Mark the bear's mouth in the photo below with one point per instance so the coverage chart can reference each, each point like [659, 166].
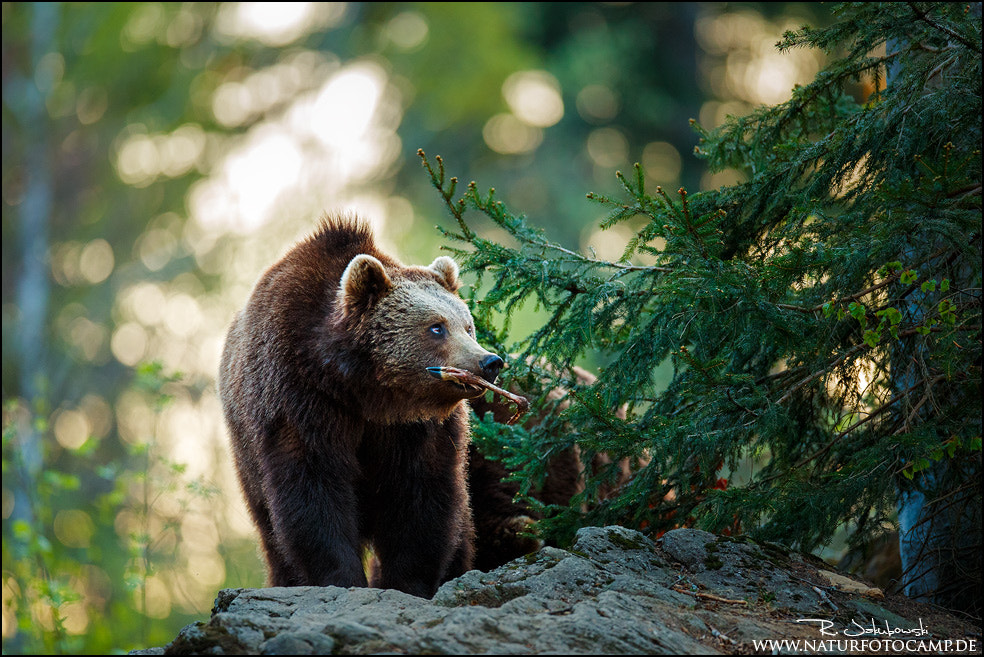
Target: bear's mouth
[468, 380]
[459, 378]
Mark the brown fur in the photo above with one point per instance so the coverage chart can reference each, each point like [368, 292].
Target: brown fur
[342, 440]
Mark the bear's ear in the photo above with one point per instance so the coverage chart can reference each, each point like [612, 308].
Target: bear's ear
[364, 281]
[447, 271]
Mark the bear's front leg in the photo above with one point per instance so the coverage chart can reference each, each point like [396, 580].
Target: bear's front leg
[421, 525]
[425, 538]
[314, 515]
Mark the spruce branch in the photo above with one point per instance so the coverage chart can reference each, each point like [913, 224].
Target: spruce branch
[924, 17]
[724, 351]
[839, 360]
[457, 208]
[870, 416]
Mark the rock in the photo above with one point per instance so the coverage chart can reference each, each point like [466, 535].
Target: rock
[614, 592]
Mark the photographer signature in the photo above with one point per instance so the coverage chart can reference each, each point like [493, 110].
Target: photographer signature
[857, 629]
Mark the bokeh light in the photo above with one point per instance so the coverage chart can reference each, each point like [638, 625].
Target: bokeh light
[71, 428]
[277, 23]
[96, 261]
[534, 97]
[407, 30]
[662, 162]
[597, 103]
[508, 135]
[74, 528]
[742, 64]
[608, 147]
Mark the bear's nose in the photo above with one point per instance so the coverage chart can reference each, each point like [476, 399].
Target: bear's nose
[491, 365]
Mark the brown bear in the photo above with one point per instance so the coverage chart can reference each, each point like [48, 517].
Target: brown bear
[342, 438]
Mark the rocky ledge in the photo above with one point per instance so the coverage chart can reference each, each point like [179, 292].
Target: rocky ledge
[614, 592]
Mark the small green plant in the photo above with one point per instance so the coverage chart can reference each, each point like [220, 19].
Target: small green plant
[62, 541]
[35, 579]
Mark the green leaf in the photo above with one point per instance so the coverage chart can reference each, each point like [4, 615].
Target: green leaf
[22, 530]
[61, 480]
[891, 314]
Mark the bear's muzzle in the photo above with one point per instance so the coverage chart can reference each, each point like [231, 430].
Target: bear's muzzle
[491, 365]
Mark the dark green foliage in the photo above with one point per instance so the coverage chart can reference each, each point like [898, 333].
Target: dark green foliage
[785, 303]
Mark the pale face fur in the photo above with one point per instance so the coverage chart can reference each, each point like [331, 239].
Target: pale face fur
[419, 325]
[414, 322]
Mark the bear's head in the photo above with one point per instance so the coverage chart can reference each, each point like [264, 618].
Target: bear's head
[403, 320]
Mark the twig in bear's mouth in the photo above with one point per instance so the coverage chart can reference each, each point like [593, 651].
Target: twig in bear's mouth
[464, 377]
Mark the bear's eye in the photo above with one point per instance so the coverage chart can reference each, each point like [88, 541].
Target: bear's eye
[437, 330]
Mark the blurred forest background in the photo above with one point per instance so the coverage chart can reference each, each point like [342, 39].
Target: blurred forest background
[158, 157]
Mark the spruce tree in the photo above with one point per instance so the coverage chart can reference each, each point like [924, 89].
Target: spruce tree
[822, 317]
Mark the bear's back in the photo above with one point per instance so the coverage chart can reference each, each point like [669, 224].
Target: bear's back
[274, 352]
[310, 272]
